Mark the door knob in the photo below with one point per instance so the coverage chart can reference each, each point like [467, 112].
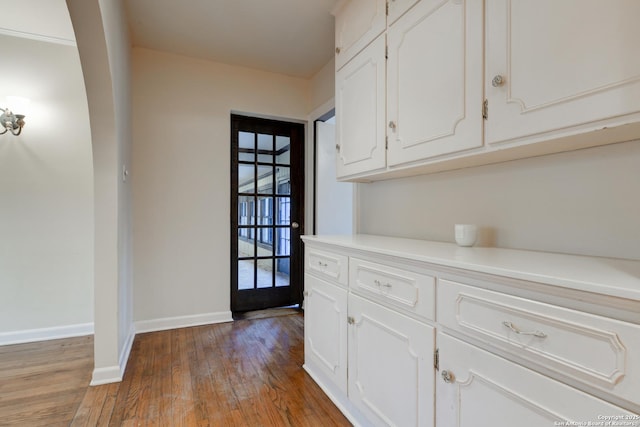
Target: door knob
[295, 225]
[448, 377]
[497, 81]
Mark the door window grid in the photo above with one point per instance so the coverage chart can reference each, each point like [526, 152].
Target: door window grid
[272, 171]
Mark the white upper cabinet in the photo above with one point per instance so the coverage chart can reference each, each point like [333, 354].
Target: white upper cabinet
[556, 68]
[360, 130]
[397, 8]
[472, 82]
[434, 80]
[358, 22]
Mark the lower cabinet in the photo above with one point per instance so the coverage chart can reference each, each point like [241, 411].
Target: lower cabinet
[391, 370]
[325, 331]
[479, 389]
[397, 342]
[370, 359]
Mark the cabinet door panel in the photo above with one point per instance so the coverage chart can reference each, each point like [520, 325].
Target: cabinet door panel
[434, 80]
[391, 370]
[360, 112]
[563, 63]
[397, 8]
[325, 324]
[556, 340]
[358, 22]
[488, 391]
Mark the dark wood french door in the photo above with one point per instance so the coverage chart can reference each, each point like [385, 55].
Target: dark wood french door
[267, 213]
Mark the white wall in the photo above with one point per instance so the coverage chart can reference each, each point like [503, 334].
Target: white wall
[180, 175]
[322, 102]
[334, 200]
[583, 202]
[102, 37]
[322, 85]
[46, 196]
[118, 41]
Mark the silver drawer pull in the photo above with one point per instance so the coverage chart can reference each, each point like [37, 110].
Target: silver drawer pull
[323, 264]
[379, 284]
[517, 330]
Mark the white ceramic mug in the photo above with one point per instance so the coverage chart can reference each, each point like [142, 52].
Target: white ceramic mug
[466, 234]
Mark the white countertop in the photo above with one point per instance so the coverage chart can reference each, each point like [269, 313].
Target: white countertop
[607, 276]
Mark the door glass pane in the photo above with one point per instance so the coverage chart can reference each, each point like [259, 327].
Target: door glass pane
[282, 271]
[265, 179]
[246, 146]
[283, 241]
[246, 247]
[283, 211]
[265, 211]
[265, 241]
[246, 157]
[246, 140]
[265, 158]
[245, 274]
[265, 148]
[246, 179]
[246, 210]
[265, 273]
[283, 180]
[283, 150]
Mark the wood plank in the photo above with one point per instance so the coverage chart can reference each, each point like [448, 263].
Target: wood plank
[247, 372]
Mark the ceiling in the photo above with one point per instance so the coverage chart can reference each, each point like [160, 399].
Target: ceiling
[46, 20]
[292, 37]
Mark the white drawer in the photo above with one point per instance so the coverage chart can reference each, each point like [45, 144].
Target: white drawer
[597, 351]
[327, 265]
[403, 289]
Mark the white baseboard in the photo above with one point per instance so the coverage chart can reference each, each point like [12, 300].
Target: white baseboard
[126, 350]
[45, 334]
[163, 324]
[114, 374]
[110, 374]
[340, 399]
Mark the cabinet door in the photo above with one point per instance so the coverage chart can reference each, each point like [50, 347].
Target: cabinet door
[397, 8]
[358, 22]
[325, 330]
[391, 371]
[360, 129]
[563, 64]
[484, 390]
[434, 80]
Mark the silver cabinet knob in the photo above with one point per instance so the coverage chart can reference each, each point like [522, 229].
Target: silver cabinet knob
[497, 81]
[448, 377]
[338, 50]
[295, 225]
[392, 125]
[338, 147]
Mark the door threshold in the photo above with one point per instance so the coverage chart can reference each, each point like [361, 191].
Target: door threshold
[268, 312]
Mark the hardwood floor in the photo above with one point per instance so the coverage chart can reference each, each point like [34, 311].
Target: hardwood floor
[42, 384]
[245, 373]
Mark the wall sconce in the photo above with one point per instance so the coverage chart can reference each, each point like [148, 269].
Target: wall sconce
[10, 121]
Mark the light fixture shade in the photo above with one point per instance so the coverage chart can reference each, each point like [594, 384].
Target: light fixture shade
[12, 117]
